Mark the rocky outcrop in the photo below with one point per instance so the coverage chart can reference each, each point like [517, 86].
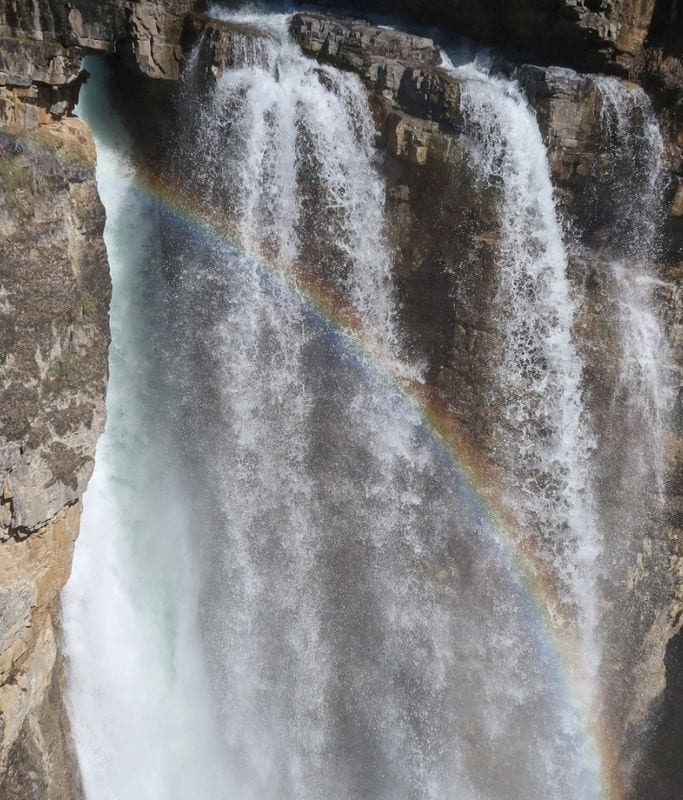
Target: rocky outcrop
[578, 33]
[42, 45]
[54, 290]
[402, 73]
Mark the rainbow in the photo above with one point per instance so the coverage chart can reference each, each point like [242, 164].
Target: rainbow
[472, 471]
[477, 477]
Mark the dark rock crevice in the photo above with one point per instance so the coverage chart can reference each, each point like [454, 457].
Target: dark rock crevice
[660, 770]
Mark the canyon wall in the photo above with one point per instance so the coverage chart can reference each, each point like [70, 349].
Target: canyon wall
[584, 34]
[54, 337]
[445, 230]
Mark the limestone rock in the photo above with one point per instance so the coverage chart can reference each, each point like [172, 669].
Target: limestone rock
[400, 68]
[27, 688]
[54, 332]
[33, 573]
[567, 105]
[42, 763]
[415, 100]
[42, 43]
[577, 33]
[351, 43]
[54, 336]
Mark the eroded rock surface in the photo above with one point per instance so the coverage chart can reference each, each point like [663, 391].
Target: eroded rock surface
[577, 33]
[54, 334]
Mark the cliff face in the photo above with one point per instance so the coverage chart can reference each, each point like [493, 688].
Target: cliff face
[54, 367]
[578, 33]
[54, 336]
[54, 286]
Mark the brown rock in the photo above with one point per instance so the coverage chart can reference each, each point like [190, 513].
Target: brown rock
[576, 33]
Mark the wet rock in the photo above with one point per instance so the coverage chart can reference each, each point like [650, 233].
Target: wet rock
[400, 68]
[409, 138]
[568, 106]
[351, 44]
[221, 43]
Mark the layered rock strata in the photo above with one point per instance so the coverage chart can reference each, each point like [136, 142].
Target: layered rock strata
[578, 33]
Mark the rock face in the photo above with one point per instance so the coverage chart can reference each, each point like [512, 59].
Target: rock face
[54, 286]
[54, 336]
[578, 33]
[42, 44]
[403, 72]
[53, 343]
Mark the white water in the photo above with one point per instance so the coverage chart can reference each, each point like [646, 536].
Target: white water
[273, 107]
[138, 680]
[280, 590]
[633, 169]
[544, 437]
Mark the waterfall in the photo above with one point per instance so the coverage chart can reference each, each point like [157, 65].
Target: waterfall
[632, 169]
[274, 105]
[130, 607]
[283, 588]
[544, 437]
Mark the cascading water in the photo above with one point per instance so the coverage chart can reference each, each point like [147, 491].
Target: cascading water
[325, 608]
[288, 123]
[632, 167]
[544, 438]
[621, 213]
[130, 609]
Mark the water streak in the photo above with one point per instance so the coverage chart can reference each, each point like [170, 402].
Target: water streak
[632, 167]
[544, 436]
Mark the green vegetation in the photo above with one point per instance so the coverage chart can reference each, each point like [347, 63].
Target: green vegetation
[65, 373]
[13, 177]
[89, 304]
